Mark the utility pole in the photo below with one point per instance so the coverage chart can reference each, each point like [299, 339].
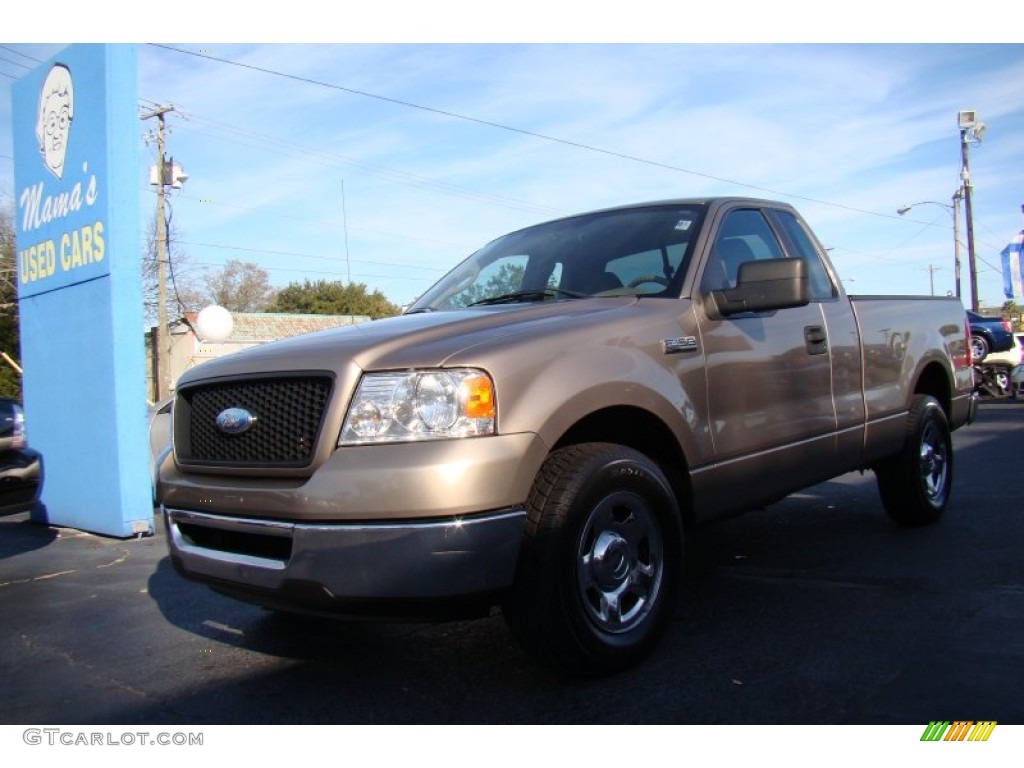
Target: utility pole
[971, 129]
[972, 265]
[163, 340]
[957, 197]
[932, 269]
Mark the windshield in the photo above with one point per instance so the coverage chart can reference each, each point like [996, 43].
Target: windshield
[624, 252]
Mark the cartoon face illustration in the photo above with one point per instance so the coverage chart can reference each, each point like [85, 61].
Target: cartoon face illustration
[56, 110]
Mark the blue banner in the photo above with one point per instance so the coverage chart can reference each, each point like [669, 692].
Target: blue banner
[1011, 267]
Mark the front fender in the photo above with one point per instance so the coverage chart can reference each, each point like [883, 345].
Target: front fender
[563, 391]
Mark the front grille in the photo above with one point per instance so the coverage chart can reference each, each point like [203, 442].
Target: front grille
[288, 413]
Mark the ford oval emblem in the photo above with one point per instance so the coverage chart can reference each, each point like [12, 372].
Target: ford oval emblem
[235, 421]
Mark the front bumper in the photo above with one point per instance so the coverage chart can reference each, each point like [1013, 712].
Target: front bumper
[379, 483]
[348, 568]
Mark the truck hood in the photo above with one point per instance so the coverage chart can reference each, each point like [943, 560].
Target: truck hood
[408, 341]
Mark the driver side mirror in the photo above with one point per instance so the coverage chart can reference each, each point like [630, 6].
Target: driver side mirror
[765, 285]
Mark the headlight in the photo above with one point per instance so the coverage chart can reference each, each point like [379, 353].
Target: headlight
[420, 405]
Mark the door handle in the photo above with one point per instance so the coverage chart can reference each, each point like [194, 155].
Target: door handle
[815, 339]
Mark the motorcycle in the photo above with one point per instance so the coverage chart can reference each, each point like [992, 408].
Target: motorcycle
[993, 380]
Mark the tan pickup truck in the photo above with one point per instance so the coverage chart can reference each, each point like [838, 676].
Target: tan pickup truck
[541, 427]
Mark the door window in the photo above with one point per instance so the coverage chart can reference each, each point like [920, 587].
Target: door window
[743, 236]
[821, 286]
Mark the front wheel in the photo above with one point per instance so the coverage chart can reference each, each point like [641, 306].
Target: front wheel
[600, 562]
[915, 484]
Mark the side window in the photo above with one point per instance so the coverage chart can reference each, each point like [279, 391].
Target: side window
[820, 283]
[743, 236]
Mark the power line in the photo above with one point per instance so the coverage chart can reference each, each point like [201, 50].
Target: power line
[320, 222]
[513, 129]
[19, 53]
[322, 272]
[15, 63]
[322, 157]
[224, 246]
[334, 159]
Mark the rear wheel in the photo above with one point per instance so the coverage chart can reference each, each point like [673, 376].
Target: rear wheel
[979, 348]
[600, 563]
[1001, 377]
[915, 484]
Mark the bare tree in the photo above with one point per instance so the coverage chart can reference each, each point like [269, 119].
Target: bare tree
[10, 343]
[182, 293]
[240, 287]
[8, 259]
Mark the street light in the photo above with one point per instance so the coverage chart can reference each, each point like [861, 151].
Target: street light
[954, 211]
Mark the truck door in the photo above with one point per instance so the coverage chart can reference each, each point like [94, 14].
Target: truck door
[772, 418]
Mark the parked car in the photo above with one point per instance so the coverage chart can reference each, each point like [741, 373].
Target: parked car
[989, 334]
[21, 467]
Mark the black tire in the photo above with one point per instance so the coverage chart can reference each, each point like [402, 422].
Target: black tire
[600, 564]
[979, 348]
[915, 485]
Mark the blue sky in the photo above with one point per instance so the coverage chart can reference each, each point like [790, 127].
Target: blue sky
[389, 162]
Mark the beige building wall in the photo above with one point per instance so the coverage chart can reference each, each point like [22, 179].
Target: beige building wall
[250, 330]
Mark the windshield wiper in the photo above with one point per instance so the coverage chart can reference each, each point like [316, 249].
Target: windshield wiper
[511, 298]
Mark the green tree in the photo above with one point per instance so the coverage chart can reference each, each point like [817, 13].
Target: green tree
[1012, 312]
[507, 279]
[10, 343]
[325, 297]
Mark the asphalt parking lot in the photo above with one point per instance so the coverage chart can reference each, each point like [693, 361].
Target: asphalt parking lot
[818, 610]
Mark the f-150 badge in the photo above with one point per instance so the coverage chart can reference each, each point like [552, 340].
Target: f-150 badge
[681, 344]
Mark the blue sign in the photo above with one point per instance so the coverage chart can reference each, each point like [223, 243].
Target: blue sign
[76, 136]
[61, 212]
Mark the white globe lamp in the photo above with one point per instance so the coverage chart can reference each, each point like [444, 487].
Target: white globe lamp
[214, 323]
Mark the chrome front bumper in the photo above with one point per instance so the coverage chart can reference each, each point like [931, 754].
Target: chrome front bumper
[330, 566]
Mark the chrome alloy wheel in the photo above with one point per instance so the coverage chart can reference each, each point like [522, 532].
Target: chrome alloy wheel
[620, 562]
[979, 348]
[934, 462]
